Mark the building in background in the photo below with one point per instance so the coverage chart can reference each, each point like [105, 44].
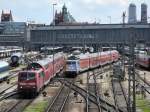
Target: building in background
[64, 17]
[9, 27]
[143, 13]
[11, 32]
[14, 27]
[132, 19]
[6, 17]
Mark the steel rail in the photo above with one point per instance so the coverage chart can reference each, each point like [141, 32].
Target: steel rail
[124, 94]
[116, 96]
[19, 106]
[110, 107]
[59, 101]
[7, 95]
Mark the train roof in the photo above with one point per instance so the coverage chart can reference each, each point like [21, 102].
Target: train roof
[87, 55]
[19, 54]
[8, 50]
[98, 53]
[49, 59]
[51, 48]
[43, 62]
[3, 64]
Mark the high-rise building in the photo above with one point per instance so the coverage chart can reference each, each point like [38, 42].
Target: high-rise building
[143, 13]
[132, 14]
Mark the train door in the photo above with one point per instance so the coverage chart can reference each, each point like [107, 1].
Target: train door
[149, 64]
[41, 79]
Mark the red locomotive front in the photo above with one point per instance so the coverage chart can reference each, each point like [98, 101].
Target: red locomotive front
[27, 82]
[39, 74]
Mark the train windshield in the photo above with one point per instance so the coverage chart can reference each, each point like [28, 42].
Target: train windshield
[26, 76]
[71, 62]
[34, 66]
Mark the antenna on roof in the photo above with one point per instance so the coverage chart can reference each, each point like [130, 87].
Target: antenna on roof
[123, 17]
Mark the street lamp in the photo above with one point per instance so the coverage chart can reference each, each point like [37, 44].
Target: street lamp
[54, 4]
[109, 17]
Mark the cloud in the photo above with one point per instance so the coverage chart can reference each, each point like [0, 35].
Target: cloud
[106, 2]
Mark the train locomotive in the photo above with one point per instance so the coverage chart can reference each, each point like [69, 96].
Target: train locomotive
[143, 60]
[38, 74]
[83, 62]
[15, 59]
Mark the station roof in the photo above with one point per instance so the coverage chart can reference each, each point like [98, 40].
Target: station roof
[1, 26]
[91, 26]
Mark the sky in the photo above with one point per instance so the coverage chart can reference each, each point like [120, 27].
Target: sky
[41, 11]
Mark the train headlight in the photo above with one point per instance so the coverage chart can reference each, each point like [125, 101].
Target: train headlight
[21, 87]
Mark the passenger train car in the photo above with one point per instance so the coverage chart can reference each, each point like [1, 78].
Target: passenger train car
[4, 67]
[82, 62]
[38, 74]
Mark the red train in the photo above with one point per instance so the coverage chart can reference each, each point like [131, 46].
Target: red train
[80, 63]
[38, 74]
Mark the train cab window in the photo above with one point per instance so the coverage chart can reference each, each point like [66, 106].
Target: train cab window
[26, 76]
[41, 74]
[68, 63]
[22, 76]
[71, 62]
[34, 66]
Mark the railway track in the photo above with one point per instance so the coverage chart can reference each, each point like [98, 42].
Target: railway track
[3, 91]
[145, 82]
[92, 87]
[119, 96]
[105, 105]
[8, 95]
[19, 106]
[59, 101]
[103, 70]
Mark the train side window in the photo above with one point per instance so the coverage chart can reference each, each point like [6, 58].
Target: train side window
[42, 74]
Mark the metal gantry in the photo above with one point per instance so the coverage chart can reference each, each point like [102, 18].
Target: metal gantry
[131, 73]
